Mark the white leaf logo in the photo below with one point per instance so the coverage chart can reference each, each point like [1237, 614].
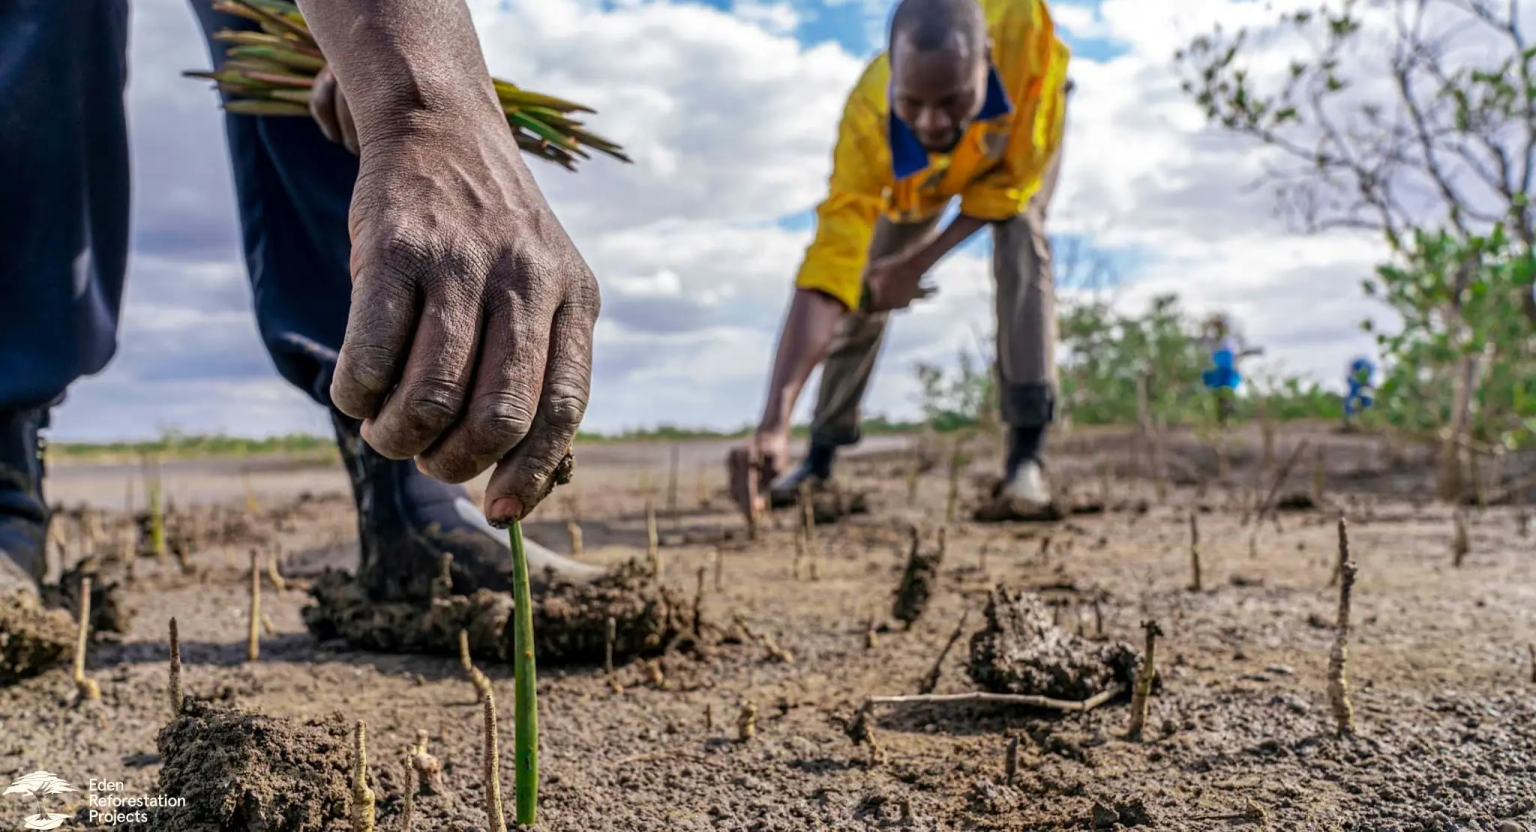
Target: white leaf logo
[48, 821]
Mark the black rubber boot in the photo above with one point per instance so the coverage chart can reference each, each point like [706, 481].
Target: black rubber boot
[24, 514]
[816, 470]
[406, 522]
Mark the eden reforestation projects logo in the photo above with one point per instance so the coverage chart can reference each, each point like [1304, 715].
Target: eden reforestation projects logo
[107, 802]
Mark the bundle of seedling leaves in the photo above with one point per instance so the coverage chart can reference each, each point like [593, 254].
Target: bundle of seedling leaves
[271, 72]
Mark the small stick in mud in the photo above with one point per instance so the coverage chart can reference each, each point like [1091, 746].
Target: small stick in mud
[746, 722]
[610, 635]
[652, 540]
[719, 567]
[1531, 648]
[1011, 762]
[672, 476]
[981, 555]
[1461, 545]
[1196, 583]
[362, 796]
[253, 635]
[931, 680]
[871, 635]
[914, 469]
[1338, 683]
[442, 585]
[573, 528]
[1141, 695]
[1523, 523]
[491, 766]
[476, 678]
[956, 466]
[797, 566]
[698, 605]
[709, 716]
[273, 575]
[428, 771]
[87, 688]
[654, 675]
[175, 682]
[130, 555]
[1098, 615]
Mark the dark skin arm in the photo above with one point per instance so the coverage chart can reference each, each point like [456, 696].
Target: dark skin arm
[469, 343]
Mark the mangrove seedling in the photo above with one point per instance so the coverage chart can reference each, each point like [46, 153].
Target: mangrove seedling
[253, 635]
[87, 688]
[175, 682]
[573, 528]
[1196, 584]
[491, 766]
[1338, 683]
[428, 771]
[746, 722]
[525, 706]
[1141, 693]
[652, 541]
[362, 796]
[273, 575]
[476, 678]
[1461, 544]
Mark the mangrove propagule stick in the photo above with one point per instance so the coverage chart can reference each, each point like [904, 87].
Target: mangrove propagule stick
[525, 707]
[808, 524]
[956, 464]
[574, 529]
[253, 635]
[698, 605]
[1022, 700]
[672, 476]
[746, 722]
[88, 689]
[491, 766]
[362, 796]
[1011, 762]
[652, 540]
[719, 568]
[175, 681]
[1338, 683]
[1141, 695]
[931, 680]
[273, 575]
[1460, 543]
[156, 498]
[1196, 583]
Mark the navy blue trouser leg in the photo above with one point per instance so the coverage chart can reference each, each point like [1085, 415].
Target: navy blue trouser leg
[294, 188]
[63, 193]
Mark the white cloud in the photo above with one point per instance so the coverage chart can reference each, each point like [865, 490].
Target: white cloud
[731, 122]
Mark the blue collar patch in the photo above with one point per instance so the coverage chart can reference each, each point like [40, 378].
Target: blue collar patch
[909, 157]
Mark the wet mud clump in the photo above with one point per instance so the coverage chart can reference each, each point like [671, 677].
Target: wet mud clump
[569, 619]
[918, 580]
[110, 612]
[33, 640]
[1022, 652]
[239, 771]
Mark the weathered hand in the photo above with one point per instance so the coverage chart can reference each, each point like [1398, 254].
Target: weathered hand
[329, 107]
[894, 283]
[754, 466]
[470, 337]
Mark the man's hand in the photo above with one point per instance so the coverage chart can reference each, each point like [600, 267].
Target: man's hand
[895, 282]
[470, 337]
[753, 467]
[329, 107]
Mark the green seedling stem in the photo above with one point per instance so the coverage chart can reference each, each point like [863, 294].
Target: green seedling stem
[525, 707]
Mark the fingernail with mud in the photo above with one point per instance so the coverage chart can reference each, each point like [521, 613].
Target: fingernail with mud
[503, 511]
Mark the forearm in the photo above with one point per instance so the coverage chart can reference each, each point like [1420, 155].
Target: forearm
[803, 342]
[400, 62]
[928, 254]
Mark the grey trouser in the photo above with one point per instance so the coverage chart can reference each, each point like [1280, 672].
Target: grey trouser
[1026, 325]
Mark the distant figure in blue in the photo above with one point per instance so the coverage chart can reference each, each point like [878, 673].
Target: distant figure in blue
[1362, 390]
[1223, 377]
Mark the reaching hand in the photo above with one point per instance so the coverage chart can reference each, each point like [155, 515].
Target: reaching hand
[470, 337]
[329, 107]
[894, 283]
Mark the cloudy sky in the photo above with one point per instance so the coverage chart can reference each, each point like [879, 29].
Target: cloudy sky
[729, 108]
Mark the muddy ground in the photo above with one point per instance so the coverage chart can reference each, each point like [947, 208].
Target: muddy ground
[1240, 731]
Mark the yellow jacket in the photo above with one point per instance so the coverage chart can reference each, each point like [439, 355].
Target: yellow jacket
[995, 168]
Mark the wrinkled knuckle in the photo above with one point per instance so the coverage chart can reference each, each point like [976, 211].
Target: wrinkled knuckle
[369, 367]
[431, 404]
[500, 422]
[564, 407]
[448, 467]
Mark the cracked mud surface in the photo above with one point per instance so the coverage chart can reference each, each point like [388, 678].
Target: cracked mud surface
[1440, 663]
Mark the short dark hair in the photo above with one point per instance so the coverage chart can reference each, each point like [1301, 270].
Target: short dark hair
[928, 25]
